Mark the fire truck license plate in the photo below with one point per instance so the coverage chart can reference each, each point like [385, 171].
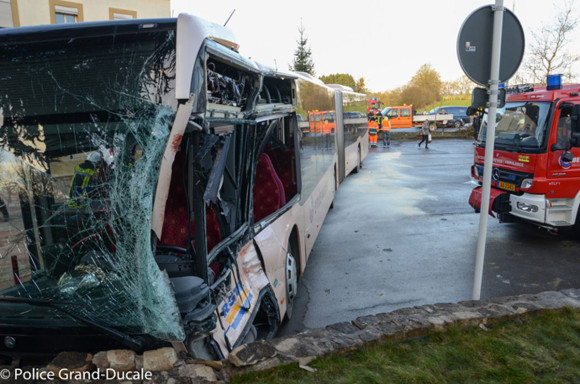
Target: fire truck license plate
[508, 186]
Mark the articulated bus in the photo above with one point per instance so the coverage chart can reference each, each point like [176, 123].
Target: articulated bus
[352, 129]
[159, 188]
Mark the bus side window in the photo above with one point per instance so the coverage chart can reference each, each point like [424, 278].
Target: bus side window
[268, 192]
[275, 181]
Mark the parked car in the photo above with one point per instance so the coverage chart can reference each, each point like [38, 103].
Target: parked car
[459, 115]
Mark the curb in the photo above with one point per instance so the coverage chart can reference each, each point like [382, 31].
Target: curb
[397, 326]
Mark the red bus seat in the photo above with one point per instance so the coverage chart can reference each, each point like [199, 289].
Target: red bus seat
[268, 190]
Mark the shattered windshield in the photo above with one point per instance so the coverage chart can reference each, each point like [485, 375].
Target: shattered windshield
[519, 125]
[84, 122]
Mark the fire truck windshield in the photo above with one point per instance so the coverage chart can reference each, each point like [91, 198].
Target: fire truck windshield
[519, 125]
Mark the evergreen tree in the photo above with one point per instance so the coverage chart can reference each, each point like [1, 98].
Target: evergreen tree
[302, 56]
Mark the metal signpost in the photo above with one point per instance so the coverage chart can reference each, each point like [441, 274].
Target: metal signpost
[506, 52]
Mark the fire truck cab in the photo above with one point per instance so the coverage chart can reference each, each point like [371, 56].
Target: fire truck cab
[536, 161]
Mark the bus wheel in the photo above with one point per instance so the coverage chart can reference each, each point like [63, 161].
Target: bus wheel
[291, 281]
[358, 162]
[433, 127]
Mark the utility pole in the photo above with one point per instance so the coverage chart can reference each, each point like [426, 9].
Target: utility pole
[489, 145]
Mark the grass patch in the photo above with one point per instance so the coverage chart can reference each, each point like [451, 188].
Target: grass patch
[541, 348]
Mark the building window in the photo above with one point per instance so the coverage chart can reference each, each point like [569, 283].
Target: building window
[64, 12]
[6, 16]
[121, 14]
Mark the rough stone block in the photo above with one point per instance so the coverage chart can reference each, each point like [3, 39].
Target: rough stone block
[100, 360]
[496, 311]
[121, 359]
[405, 311]
[365, 321]
[179, 380]
[574, 293]
[253, 353]
[158, 378]
[197, 371]
[286, 344]
[343, 341]
[344, 327]
[439, 323]
[390, 328]
[161, 359]
[312, 345]
[447, 307]
[71, 361]
[528, 307]
[470, 303]
[370, 334]
[466, 318]
[553, 300]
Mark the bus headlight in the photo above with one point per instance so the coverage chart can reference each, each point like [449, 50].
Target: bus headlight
[527, 183]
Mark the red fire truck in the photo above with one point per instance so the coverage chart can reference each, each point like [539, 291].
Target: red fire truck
[536, 161]
[374, 105]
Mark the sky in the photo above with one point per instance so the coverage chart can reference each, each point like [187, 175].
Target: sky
[384, 41]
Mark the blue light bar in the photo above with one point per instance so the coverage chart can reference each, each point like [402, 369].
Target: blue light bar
[554, 82]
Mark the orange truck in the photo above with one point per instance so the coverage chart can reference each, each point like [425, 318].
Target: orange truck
[322, 122]
[405, 117]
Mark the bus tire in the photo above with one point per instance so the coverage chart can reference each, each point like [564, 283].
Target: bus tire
[433, 127]
[358, 162]
[291, 274]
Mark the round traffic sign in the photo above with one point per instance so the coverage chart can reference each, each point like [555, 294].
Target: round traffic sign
[475, 40]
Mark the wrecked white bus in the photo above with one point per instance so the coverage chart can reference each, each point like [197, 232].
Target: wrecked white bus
[157, 186]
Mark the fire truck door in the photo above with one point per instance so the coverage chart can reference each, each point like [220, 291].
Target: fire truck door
[563, 169]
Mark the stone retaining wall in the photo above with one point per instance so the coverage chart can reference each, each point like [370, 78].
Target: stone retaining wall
[166, 366]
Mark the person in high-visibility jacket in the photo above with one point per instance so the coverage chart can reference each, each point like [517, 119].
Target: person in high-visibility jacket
[373, 135]
[83, 181]
[374, 128]
[386, 129]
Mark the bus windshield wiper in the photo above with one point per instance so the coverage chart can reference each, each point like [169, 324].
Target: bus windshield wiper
[124, 338]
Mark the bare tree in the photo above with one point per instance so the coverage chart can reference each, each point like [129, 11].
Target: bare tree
[547, 50]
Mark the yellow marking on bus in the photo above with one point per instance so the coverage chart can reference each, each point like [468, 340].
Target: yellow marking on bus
[239, 300]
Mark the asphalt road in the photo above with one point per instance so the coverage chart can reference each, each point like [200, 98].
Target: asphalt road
[402, 234]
